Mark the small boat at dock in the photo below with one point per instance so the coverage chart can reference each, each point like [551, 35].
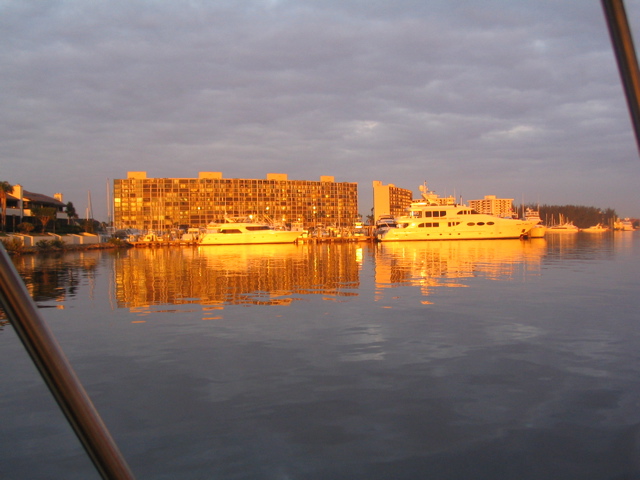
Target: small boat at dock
[599, 228]
[564, 226]
[538, 230]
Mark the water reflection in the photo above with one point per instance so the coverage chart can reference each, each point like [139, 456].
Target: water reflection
[55, 276]
[430, 265]
[281, 274]
[212, 277]
[235, 275]
[583, 246]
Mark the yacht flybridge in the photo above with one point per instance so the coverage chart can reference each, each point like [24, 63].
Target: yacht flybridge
[435, 218]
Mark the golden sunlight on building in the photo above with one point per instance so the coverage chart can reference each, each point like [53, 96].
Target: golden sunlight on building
[166, 203]
[389, 200]
[501, 207]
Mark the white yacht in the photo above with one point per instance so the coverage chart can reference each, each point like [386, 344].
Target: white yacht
[538, 230]
[244, 231]
[626, 225]
[435, 218]
[599, 228]
[564, 226]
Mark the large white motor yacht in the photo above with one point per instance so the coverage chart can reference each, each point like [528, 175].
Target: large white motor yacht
[431, 219]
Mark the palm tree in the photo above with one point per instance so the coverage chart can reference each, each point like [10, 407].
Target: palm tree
[71, 213]
[5, 189]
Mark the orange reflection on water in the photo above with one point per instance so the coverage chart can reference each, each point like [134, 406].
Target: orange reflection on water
[430, 265]
[216, 276]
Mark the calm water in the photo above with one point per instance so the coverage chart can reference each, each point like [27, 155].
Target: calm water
[456, 360]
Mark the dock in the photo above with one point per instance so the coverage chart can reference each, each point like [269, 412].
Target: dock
[301, 240]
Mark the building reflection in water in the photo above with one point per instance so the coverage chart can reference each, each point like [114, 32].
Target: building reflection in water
[55, 276]
[213, 277]
[430, 265]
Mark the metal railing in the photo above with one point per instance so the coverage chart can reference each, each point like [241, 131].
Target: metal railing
[58, 374]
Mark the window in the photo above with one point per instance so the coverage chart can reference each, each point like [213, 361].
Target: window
[438, 213]
[254, 228]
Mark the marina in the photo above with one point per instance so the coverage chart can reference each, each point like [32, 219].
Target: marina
[276, 317]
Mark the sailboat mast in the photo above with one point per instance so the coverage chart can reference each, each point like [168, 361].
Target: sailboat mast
[109, 219]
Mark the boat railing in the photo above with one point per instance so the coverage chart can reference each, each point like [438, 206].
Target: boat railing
[58, 375]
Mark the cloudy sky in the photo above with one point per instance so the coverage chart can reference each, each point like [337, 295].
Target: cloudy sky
[516, 98]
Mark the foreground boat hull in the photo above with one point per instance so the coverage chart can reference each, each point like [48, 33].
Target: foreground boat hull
[486, 232]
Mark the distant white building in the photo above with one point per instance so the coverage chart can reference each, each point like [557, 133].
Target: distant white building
[501, 207]
[389, 200]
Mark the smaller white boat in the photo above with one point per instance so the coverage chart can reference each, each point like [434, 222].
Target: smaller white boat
[151, 237]
[191, 236]
[565, 226]
[386, 221]
[599, 228]
[624, 225]
[538, 230]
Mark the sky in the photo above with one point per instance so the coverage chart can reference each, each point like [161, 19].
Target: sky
[516, 98]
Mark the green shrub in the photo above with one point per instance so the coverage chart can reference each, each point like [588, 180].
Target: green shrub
[46, 245]
[43, 245]
[25, 227]
[57, 244]
[13, 245]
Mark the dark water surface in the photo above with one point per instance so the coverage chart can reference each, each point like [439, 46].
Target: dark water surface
[454, 360]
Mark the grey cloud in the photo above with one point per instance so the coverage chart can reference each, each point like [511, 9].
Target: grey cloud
[360, 90]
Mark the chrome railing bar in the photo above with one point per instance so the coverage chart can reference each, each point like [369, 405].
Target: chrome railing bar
[58, 374]
[624, 50]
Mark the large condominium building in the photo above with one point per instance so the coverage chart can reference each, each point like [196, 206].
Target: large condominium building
[501, 207]
[166, 203]
[389, 200]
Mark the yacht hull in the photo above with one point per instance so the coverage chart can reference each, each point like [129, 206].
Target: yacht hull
[502, 229]
[266, 237]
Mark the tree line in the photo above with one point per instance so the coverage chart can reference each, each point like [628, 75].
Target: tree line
[581, 216]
